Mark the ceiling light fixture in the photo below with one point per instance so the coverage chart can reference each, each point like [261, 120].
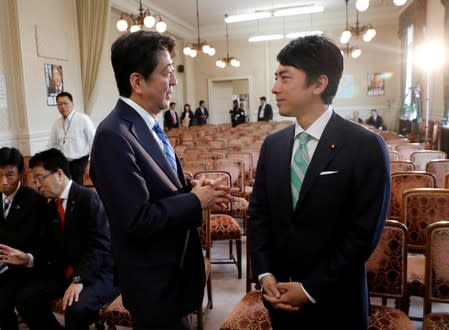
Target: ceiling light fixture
[275, 12]
[362, 5]
[222, 61]
[291, 35]
[354, 51]
[144, 19]
[367, 30]
[192, 49]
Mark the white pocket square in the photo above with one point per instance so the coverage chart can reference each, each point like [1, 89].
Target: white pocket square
[328, 172]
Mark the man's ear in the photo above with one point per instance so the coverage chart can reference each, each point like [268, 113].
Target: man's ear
[136, 80]
[320, 84]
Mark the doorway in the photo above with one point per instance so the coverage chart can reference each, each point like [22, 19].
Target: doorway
[222, 91]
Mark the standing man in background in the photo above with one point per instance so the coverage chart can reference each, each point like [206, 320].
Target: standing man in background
[171, 119]
[73, 134]
[21, 217]
[153, 211]
[320, 198]
[265, 112]
[201, 114]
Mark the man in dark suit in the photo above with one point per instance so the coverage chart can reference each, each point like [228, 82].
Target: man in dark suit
[75, 260]
[154, 212]
[319, 200]
[21, 216]
[201, 114]
[375, 120]
[265, 112]
[171, 119]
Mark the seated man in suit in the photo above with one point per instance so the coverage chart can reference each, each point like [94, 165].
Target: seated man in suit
[75, 259]
[20, 219]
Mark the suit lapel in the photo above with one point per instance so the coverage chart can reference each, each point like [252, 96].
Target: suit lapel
[284, 160]
[15, 206]
[142, 133]
[330, 142]
[71, 205]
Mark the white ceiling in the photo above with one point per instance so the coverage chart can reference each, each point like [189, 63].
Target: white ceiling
[180, 16]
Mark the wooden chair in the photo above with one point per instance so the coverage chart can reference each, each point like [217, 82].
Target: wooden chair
[191, 154]
[437, 275]
[247, 159]
[195, 166]
[56, 307]
[406, 149]
[421, 207]
[401, 181]
[394, 155]
[117, 315]
[224, 227]
[205, 238]
[422, 157]
[386, 274]
[439, 168]
[401, 166]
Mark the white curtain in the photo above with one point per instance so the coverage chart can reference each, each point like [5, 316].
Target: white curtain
[93, 23]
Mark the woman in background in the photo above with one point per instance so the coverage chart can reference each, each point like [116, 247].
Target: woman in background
[187, 116]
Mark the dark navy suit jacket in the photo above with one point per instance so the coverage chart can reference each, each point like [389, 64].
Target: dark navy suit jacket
[153, 218]
[325, 242]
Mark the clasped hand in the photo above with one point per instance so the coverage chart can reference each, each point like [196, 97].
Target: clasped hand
[286, 296]
[213, 194]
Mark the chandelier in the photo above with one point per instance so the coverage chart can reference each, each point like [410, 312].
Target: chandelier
[138, 21]
[354, 51]
[192, 49]
[363, 5]
[222, 61]
[367, 30]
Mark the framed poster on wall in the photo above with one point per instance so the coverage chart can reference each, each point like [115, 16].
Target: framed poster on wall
[54, 82]
[376, 84]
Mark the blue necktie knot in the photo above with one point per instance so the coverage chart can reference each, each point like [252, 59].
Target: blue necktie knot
[169, 152]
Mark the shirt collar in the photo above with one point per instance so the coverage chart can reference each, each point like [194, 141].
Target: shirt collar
[71, 114]
[11, 197]
[317, 128]
[65, 193]
[148, 118]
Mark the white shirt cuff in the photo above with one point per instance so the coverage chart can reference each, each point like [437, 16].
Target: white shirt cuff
[31, 261]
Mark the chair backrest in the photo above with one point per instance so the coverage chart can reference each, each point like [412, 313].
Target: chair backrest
[422, 207]
[247, 160]
[401, 166]
[422, 157]
[437, 272]
[395, 141]
[401, 181]
[192, 153]
[195, 166]
[406, 149]
[446, 181]
[439, 168]
[234, 167]
[387, 265]
[255, 152]
[394, 155]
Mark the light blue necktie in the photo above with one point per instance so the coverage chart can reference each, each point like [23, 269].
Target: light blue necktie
[299, 166]
[169, 152]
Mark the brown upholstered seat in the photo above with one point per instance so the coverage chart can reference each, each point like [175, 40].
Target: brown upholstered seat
[401, 166]
[401, 181]
[439, 168]
[422, 207]
[248, 314]
[422, 157]
[56, 307]
[437, 275]
[386, 269]
[116, 314]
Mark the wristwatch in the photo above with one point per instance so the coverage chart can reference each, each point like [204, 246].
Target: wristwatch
[76, 279]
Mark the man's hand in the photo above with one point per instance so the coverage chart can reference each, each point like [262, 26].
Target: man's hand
[13, 256]
[291, 297]
[72, 294]
[213, 194]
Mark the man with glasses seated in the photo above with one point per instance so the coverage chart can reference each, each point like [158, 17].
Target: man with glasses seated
[73, 134]
[75, 259]
[20, 218]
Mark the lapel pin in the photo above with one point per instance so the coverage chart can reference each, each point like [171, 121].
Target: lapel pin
[17, 207]
[332, 146]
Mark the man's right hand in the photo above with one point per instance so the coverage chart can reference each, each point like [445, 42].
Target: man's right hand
[213, 194]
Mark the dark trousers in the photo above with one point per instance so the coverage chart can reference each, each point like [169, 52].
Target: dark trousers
[184, 323]
[34, 303]
[77, 167]
[10, 283]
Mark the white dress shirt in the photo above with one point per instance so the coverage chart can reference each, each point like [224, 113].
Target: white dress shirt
[73, 135]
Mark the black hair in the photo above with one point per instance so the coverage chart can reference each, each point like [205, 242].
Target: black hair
[11, 157]
[51, 160]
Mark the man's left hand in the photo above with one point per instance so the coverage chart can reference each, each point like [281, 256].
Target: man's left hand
[292, 297]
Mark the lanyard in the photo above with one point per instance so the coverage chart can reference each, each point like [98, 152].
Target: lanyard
[68, 127]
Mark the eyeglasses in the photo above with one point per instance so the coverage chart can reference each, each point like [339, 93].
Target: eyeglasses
[63, 104]
[41, 178]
